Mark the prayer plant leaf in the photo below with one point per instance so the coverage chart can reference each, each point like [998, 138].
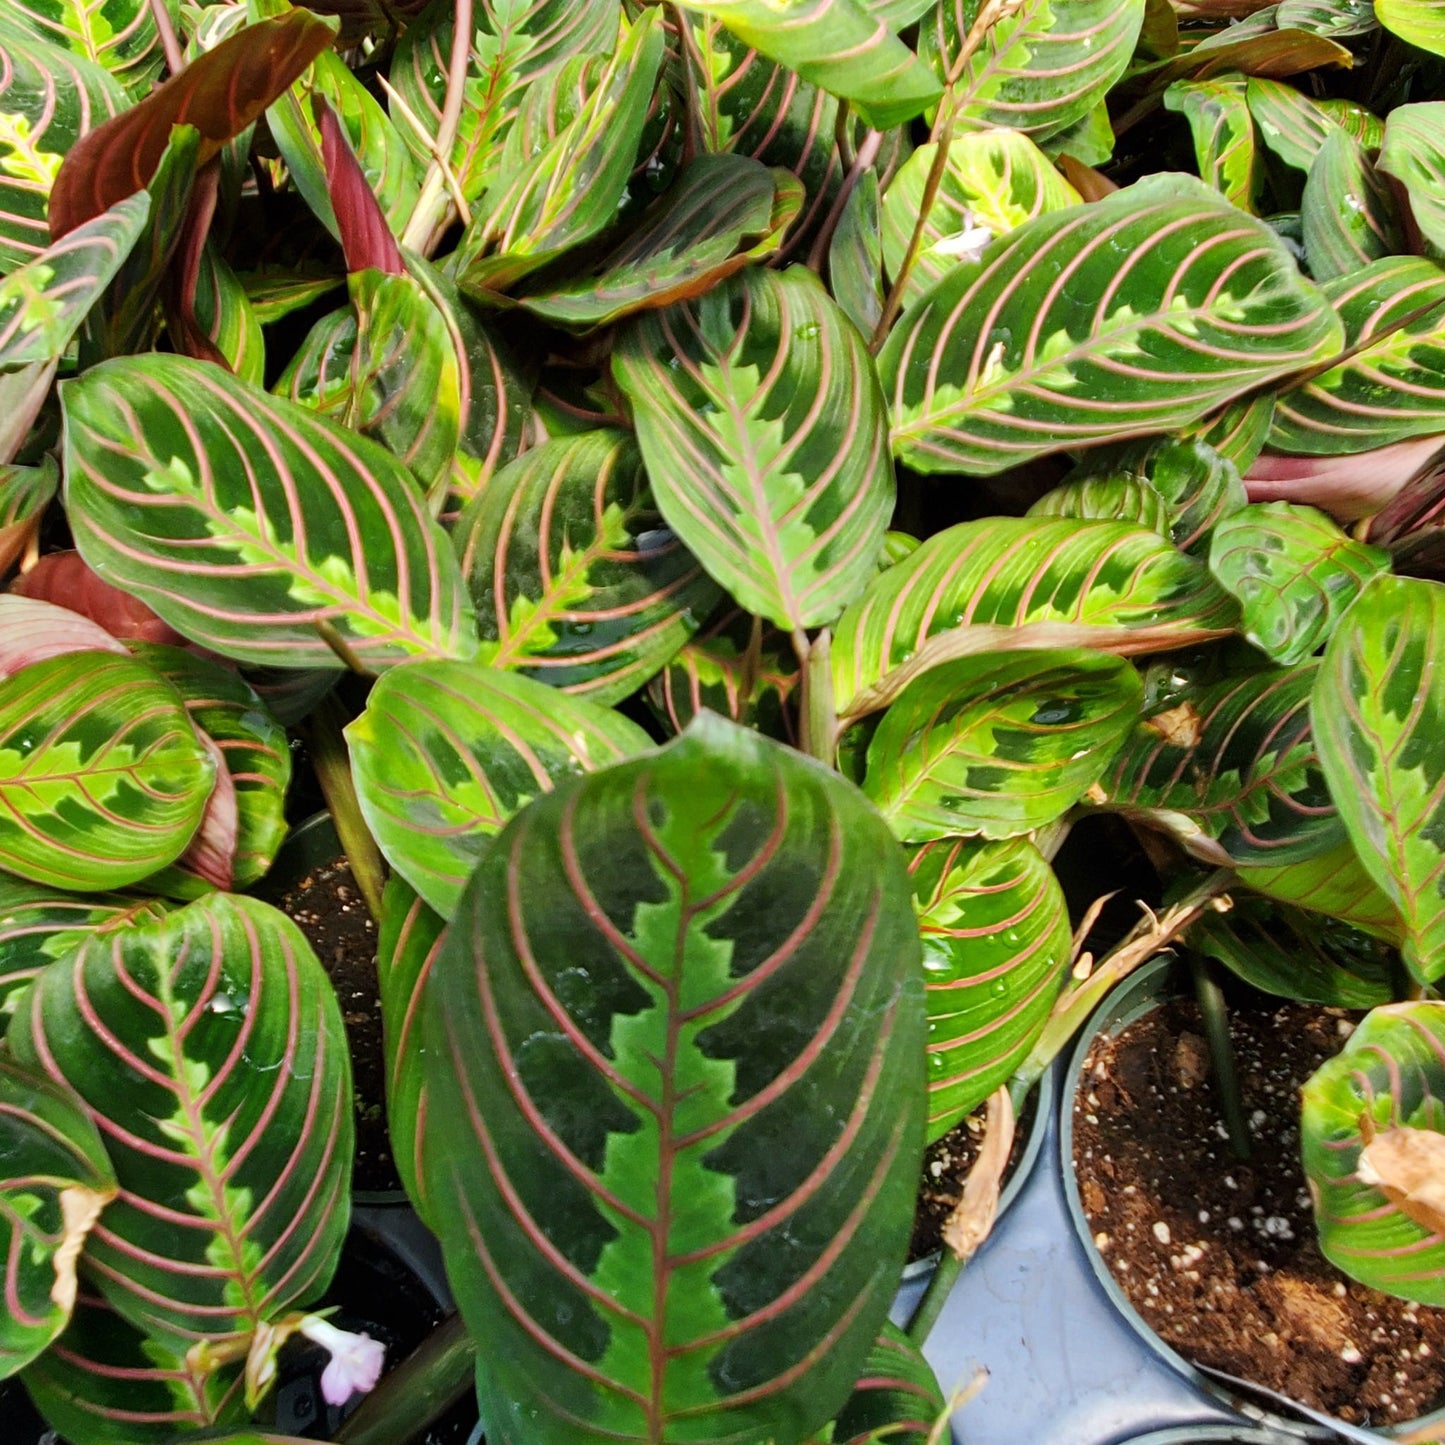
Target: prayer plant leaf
[762, 427]
[718, 216]
[1294, 572]
[1299, 955]
[1379, 722]
[838, 46]
[446, 752]
[576, 579]
[1099, 322]
[54, 1181]
[993, 181]
[39, 924]
[253, 526]
[220, 93]
[1339, 19]
[1017, 570]
[1232, 772]
[855, 256]
[1413, 152]
[1041, 67]
[1000, 743]
[1292, 125]
[208, 1049]
[1223, 130]
[120, 36]
[103, 778]
[1333, 883]
[43, 303]
[690, 959]
[1389, 389]
[996, 943]
[1372, 1134]
[1348, 214]
[49, 98]
[896, 1400]
[515, 48]
[25, 493]
[1419, 22]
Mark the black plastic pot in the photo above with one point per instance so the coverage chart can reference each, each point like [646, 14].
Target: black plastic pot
[1141, 993]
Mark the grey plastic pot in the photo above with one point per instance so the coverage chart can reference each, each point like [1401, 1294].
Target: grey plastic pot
[1139, 994]
[1214, 1435]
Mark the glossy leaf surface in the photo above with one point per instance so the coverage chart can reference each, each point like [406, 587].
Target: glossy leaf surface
[208, 1049]
[1232, 772]
[172, 467]
[1379, 720]
[896, 1399]
[1334, 883]
[1417, 21]
[1019, 570]
[1294, 572]
[1224, 141]
[102, 776]
[119, 36]
[1348, 213]
[689, 959]
[1000, 743]
[25, 493]
[1371, 1129]
[576, 579]
[54, 1180]
[1101, 321]
[446, 752]
[1413, 151]
[762, 428]
[996, 942]
[838, 46]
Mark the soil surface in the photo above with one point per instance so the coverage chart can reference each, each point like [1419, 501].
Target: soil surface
[1221, 1257]
[328, 908]
[945, 1171]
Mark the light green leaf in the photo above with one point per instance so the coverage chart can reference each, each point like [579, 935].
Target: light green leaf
[1223, 131]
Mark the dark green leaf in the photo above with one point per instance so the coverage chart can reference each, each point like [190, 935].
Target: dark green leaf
[1223, 131]
[1413, 152]
[897, 1399]
[1348, 213]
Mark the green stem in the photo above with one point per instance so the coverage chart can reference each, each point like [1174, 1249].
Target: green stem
[1215, 1014]
[327, 746]
[950, 1266]
[820, 717]
[418, 1392]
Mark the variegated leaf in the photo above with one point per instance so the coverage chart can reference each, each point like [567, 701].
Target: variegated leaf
[1419, 22]
[208, 1049]
[1413, 152]
[1238, 431]
[1339, 19]
[1389, 389]
[1017, 570]
[999, 744]
[719, 215]
[1333, 883]
[1041, 66]
[225, 315]
[103, 778]
[54, 1181]
[993, 181]
[25, 493]
[1348, 214]
[896, 1399]
[1099, 322]
[762, 428]
[252, 745]
[996, 944]
[40, 924]
[1292, 125]
[1106, 495]
[1294, 572]
[1371, 1127]
[386, 367]
[577, 581]
[1232, 771]
[43, 303]
[1223, 130]
[714, 946]
[49, 98]
[855, 256]
[836, 45]
[1379, 721]
[120, 36]
[446, 752]
[515, 49]
[305, 532]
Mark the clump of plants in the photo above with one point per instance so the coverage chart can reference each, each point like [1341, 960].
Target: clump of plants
[723, 487]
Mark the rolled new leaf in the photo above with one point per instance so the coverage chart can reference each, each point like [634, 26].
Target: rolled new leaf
[54, 1181]
[674, 1068]
[1099, 322]
[446, 752]
[208, 1049]
[1372, 1133]
[103, 777]
[763, 429]
[1000, 743]
[1378, 714]
[996, 942]
[253, 526]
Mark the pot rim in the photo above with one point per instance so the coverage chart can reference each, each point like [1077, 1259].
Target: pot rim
[1217, 1434]
[1128, 1001]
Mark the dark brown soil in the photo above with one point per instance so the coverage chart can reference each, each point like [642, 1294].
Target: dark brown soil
[1221, 1258]
[328, 908]
[945, 1170]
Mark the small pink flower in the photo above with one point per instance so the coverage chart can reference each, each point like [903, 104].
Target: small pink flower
[356, 1360]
